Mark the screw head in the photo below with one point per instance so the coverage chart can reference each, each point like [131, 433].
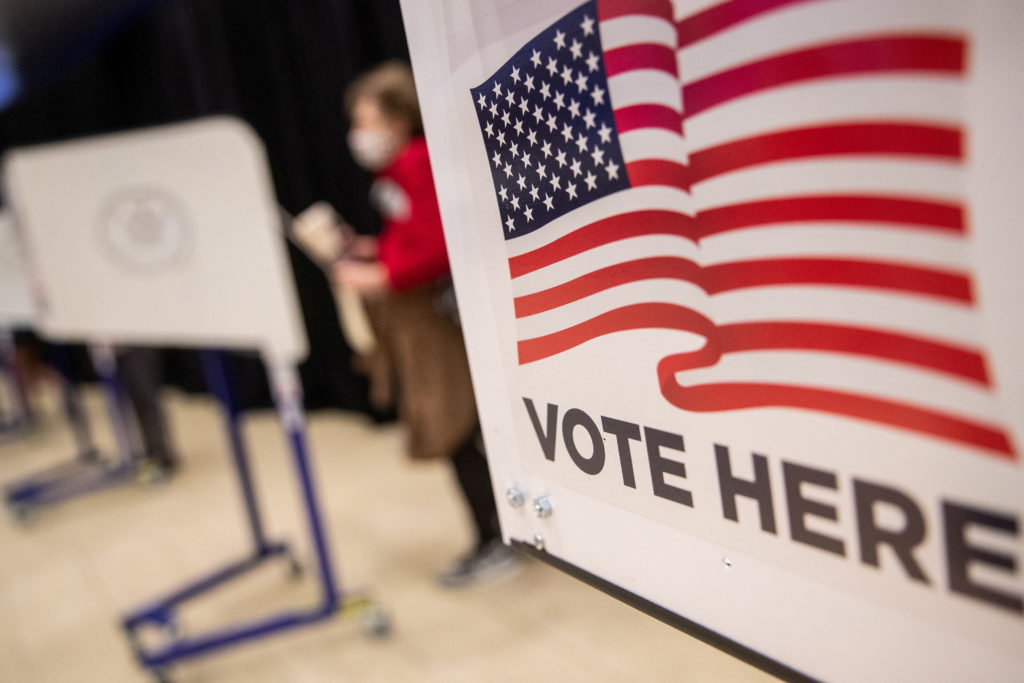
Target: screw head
[542, 506]
[538, 541]
[515, 496]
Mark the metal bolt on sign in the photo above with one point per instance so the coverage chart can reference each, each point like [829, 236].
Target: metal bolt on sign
[515, 496]
[542, 506]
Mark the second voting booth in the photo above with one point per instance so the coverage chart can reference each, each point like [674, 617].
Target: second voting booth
[740, 284]
[87, 470]
[16, 311]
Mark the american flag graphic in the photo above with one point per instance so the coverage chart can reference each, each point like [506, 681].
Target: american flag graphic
[781, 180]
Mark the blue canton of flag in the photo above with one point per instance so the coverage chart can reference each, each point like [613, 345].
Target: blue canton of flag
[547, 123]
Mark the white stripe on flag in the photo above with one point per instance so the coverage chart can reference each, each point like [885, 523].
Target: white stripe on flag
[630, 30]
[907, 314]
[652, 143]
[889, 177]
[937, 100]
[645, 86]
[838, 239]
[687, 8]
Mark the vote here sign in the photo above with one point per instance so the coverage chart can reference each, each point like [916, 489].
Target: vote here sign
[738, 283]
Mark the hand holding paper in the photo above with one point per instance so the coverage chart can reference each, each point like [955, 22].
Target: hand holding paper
[367, 278]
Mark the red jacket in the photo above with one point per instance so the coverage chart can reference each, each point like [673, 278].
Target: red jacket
[412, 245]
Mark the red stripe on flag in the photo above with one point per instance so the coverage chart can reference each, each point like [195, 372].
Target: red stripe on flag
[658, 172]
[640, 56]
[635, 317]
[638, 116]
[840, 272]
[917, 213]
[729, 277]
[653, 268]
[894, 53]
[601, 232]
[611, 9]
[858, 341]
[725, 15]
[844, 139]
[736, 396]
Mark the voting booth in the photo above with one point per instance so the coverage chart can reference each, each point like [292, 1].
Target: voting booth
[169, 236]
[739, 282]
[172, 236]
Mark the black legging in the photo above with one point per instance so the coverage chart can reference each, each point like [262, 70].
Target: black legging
[139, 371]
[474, 478]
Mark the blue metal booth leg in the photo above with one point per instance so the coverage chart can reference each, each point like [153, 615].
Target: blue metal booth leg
[16, 410]
[162, 613]
[88, 471]
[215, 371]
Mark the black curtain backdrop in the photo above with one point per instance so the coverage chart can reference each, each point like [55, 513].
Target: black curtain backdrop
[282, 65]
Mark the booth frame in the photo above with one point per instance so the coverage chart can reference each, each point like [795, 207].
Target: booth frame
[88, 471]
[162, 613]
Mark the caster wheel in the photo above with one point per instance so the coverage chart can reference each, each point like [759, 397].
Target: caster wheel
[134, 644]
[376, 623]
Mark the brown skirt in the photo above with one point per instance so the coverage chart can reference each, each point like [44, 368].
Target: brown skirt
[421, 348]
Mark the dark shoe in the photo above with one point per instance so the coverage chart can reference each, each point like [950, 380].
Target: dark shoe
[491, 561]
[152, 471]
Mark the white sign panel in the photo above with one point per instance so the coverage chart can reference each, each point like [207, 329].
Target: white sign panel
[739, 282]
[167, 235]
[16, 308]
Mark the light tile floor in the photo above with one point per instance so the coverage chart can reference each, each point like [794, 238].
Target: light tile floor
[67, 575]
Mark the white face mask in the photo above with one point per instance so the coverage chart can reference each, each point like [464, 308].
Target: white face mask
[372, 149]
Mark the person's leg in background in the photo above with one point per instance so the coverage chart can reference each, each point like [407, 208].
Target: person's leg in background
[474, 478]
[490, 557]
[140, 371]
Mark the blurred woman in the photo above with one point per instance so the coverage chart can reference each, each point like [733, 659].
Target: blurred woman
[404, 276]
